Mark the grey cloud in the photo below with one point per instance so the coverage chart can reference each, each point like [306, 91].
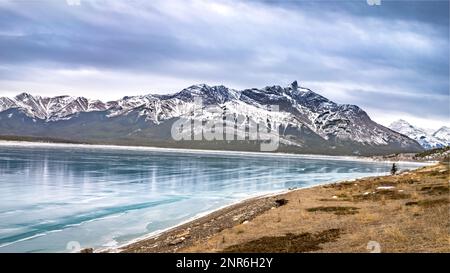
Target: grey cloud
[401, 45]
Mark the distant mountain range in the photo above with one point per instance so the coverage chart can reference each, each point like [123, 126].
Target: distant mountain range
[309, 122]
[428, 140]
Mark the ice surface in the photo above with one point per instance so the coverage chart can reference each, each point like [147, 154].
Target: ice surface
[51, 195]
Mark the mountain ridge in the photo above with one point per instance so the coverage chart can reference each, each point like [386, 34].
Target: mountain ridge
[438, 139]
[308, 121]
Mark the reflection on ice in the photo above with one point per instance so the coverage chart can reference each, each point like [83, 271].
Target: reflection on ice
[104, 197]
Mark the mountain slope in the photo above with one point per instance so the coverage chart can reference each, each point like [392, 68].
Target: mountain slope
[443, 134]
[54, 108]
[309, 122]
[425, 139]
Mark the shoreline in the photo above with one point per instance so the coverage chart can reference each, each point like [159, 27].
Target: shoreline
[196, 217]
[218, 210]
[53, 145]
[202, 217]
[204, 233]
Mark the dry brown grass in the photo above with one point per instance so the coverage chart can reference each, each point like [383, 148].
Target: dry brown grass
[367, 217]
[395, 234]
[337, 210]
[303, 242]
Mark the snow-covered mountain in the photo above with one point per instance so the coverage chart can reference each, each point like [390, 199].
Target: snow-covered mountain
[438, 139]
[309, 122]
[443, 134]
[50, 109]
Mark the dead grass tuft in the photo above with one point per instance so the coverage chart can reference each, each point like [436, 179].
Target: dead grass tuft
[335, 209]
[428, 202]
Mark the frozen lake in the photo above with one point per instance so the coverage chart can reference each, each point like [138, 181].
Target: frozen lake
[56, 196]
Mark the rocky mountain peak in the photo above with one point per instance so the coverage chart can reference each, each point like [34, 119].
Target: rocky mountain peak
[307, 119]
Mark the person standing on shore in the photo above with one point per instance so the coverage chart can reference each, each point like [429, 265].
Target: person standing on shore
[394, 169]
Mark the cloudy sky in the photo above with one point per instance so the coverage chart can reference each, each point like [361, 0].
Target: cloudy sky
[392, 60]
